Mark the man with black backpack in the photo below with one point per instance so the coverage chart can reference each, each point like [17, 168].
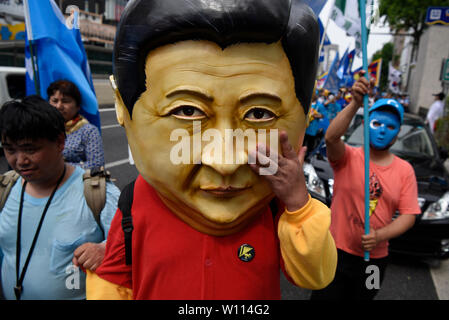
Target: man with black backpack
[196, 225]
[47, 227]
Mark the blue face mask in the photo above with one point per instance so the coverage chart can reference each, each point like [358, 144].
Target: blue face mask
[383, 128]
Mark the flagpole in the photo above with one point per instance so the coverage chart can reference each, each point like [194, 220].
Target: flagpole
[35, 69]
[31, 45]
[362, 8]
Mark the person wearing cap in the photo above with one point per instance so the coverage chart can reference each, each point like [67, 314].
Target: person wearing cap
[436, 111]
[393, 188]
[341, 97]
[332, 107]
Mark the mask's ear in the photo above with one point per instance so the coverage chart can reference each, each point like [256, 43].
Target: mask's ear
[120, 109]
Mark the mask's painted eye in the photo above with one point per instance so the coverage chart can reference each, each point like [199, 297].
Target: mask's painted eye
[188, 113]
[391, 127]
[259, 115]
[376, 124]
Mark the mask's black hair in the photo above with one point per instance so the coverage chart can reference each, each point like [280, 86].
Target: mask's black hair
[148, 24]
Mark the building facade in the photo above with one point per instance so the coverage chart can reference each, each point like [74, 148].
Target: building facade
[425, 74]
[98, 20]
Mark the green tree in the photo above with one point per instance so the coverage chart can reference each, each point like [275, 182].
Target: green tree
[408, 16]
[386, 53]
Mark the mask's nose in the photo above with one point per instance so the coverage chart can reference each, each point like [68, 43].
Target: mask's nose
[382, 130]
[225, 158]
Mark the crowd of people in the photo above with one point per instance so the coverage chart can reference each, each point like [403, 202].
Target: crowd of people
[203, 230]
[326, 105]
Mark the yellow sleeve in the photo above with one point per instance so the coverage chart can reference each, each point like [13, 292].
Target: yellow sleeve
[100, 289]
[307, 246]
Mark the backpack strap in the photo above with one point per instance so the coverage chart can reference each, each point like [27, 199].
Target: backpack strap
[125, 203]
[95, 191]
[274, 207]
[7, 181]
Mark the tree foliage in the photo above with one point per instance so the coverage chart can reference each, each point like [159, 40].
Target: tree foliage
[386, 53]
[408, 15]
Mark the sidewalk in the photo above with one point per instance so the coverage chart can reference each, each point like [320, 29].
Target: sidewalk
[105, 95]
[440, 276]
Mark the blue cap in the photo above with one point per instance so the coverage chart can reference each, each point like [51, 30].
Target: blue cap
[392, 103]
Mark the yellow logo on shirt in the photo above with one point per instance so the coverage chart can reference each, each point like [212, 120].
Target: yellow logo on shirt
[246, 252]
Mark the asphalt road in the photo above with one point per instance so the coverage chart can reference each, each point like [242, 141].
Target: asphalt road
[406, 278]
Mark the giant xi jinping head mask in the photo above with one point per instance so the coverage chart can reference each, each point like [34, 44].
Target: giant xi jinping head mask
[192, 78]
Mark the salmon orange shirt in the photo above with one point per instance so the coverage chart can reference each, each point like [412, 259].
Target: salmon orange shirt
[392, 188]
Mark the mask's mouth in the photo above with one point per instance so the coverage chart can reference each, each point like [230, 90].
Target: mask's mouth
[224, 191]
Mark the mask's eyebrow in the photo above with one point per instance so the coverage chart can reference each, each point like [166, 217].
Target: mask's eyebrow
[253, 95]
[190, 90]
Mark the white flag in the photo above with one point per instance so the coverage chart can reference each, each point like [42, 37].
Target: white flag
[394, 78]
[346, 15]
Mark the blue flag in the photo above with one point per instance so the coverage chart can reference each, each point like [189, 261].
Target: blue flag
[345, 66]
[332, 82]
[341, 65]
[58, 54]
[344, 69]
[316, 5]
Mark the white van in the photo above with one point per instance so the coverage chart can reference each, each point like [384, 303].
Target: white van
[12, 84]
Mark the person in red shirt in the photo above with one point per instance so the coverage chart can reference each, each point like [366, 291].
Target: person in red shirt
[189, 74]
[393, 187]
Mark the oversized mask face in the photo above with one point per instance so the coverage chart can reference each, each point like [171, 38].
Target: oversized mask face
[184, 128]
[384, 127]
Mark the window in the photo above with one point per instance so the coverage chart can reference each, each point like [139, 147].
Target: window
[16, 85]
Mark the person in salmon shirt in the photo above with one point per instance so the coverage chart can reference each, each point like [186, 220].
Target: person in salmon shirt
[393, 188]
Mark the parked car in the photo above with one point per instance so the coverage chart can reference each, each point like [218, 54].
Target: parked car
[429, 237]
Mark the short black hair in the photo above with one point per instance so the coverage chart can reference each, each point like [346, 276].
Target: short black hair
[66, 88]
[148, 24]
[440, 96]
[31, 118]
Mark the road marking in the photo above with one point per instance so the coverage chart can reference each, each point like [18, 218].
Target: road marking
[441, 279]
[116, 163]
[110, 126]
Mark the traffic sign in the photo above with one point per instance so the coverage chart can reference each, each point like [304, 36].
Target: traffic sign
[437, 15]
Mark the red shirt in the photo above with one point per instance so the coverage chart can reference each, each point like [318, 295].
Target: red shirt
[171, 260]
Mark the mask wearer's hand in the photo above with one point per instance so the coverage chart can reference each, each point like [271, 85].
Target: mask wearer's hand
[89, 255]
[288, 182]
[360, 88]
